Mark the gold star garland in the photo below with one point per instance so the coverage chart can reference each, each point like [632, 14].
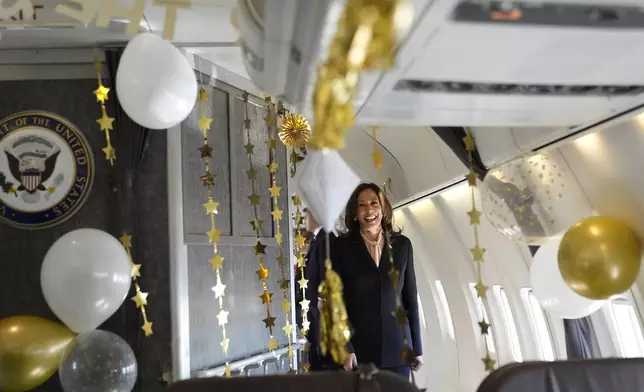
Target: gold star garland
[140, 298]
[377, 154]
[260, 249]
[300, 240]
[105, 122]
[274, 190]
[478, 252]
[217, 261]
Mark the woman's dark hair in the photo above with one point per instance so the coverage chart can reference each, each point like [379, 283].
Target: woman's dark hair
[351, 213]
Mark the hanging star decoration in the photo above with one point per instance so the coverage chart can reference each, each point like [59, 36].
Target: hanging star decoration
[140, 298]
[106, 123]
[377, 154]
[477, 252]
[210, 206]
[299, 241]
[295, 131]
[263, 273]
[275, 192]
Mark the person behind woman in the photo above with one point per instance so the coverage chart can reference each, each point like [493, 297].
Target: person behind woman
[362, 260]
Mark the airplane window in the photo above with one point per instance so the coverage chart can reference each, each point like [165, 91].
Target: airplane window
[482, 313]
[510, 326]
[447, 315]
[539, 325]
[627, 326]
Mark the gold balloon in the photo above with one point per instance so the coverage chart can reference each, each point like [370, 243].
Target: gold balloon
[30, 351]
[599, 257]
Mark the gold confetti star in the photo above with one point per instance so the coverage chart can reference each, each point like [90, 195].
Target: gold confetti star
[211, 207]
[206, 151]
[284, 283]
[273, 167]
[202, 95]
[216, 262]
[135, 271]
[224, 346]
[260, 249]
[105, 122]
[484, 327]
[222, 317]
[219, 289]
[254, 199]
[250, 148]
[251, 174]
[300, 240]
[247, 123]
[256, 224]
[141, 298]
[269, 321]
[477, 253]
[278, 236]
[110, 153]
[262, 273]
[475, 216]
[204, 123]
[288, 329]
[147, 328]
[481, 290]
[303, 283]
[213, 235]
[271, 143]
[489, 363]
[277, 215]
[228, 371]
[286, 306]
[101, 93]
[126, 240]
[275, 190]
[301, 261]
[208, 179]
[272, 343]
[266, 297]
[305, 304]
[306, 324]
[471, 179]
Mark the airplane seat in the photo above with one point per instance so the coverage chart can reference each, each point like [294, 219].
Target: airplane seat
[366, 379]
[593, 375]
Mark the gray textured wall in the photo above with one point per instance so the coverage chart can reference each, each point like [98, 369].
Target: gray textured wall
[245, 328]
[21, 252]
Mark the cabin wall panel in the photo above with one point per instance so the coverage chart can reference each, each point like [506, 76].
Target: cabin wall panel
[245, 328]
[22, 251]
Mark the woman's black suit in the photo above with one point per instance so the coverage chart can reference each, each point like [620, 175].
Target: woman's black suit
[370, 299]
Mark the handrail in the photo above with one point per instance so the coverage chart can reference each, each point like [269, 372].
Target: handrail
[242, 363]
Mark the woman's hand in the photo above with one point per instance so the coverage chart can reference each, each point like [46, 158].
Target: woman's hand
[418, 363]
[351, 362]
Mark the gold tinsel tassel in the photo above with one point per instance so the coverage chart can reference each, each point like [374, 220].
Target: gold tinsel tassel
[335, 331]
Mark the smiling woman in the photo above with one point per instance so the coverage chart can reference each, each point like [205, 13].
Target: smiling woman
[375, 262]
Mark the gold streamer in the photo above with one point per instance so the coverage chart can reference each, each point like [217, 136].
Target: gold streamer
[274, 190]
[105, 122]
[365, 39]
[140, 298]
[478, 252]
[217, 261]
[260, 249]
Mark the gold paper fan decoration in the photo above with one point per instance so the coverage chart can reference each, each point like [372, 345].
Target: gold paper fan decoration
[295, 131]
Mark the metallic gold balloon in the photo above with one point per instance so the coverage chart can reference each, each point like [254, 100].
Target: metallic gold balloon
[599, 256]
[30, 351]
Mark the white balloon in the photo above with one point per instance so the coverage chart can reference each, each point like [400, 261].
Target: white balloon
[155, 83]
[85, 278]
[550, 289]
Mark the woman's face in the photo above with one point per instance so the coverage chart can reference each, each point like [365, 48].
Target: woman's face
[369, 210]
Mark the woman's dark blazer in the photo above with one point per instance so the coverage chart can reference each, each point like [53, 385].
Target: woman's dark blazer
[370, 299]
